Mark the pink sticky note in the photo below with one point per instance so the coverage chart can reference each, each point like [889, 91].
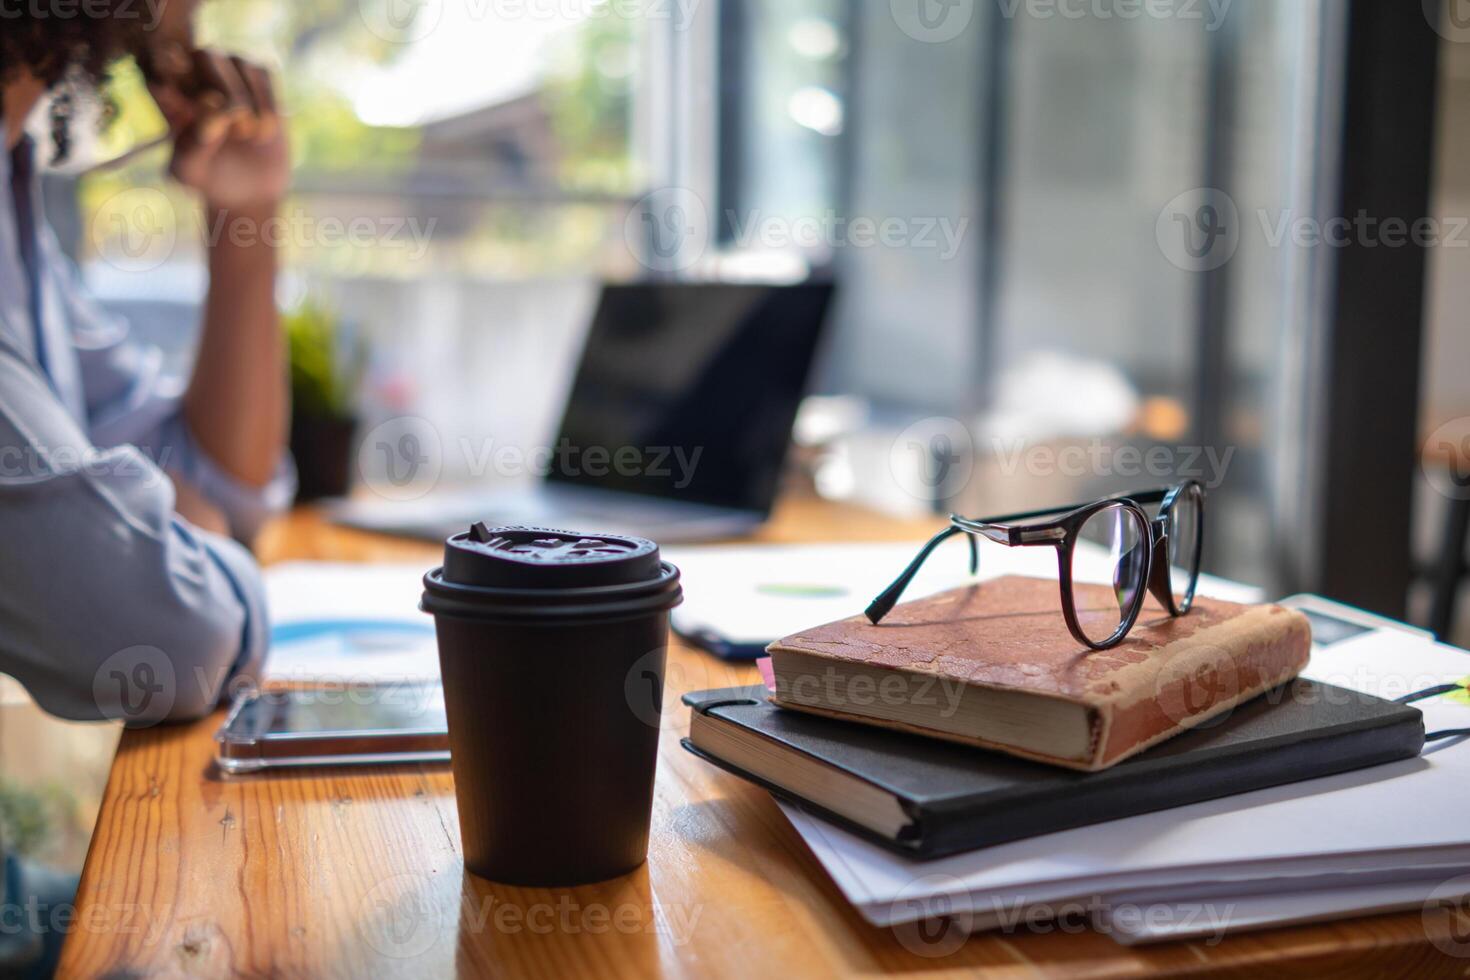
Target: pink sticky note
[767, 674]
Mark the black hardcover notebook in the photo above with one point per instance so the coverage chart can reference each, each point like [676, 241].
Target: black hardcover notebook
[928, 798]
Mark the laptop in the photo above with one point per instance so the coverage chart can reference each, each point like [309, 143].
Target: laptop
[677, 424]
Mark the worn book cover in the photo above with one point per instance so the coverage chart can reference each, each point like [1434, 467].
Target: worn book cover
[992, 664]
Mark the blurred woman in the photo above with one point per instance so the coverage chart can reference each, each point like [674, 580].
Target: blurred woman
[127, 496]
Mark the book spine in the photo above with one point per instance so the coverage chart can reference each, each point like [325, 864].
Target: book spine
[1199, 678]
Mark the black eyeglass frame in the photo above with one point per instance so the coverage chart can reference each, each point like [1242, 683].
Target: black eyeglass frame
[1063, 534]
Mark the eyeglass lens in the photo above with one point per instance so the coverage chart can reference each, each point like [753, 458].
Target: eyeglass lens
[1123, 535]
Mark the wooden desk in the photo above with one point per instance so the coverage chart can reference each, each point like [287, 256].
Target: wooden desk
[359, 875]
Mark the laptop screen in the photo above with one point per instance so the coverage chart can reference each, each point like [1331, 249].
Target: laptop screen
[689, 390]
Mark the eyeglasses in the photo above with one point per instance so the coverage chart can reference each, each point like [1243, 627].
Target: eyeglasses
[1159, 555]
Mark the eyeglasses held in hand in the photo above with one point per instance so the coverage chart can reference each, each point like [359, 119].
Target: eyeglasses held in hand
[1161, 555]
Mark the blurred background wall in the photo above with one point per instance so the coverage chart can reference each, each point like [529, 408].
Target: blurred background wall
[1070, 239]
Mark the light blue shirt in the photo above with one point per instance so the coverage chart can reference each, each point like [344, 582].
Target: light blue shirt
[111, 605]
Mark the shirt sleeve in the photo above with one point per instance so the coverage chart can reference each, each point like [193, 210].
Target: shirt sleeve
[131, 399]
[112, 605]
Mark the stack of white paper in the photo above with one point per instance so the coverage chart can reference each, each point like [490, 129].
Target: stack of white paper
[1144, 920]
[1363, 841]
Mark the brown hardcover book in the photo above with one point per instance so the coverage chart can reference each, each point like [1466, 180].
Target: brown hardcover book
[993, 665]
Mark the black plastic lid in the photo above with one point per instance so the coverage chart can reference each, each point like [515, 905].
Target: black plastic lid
[538, 572]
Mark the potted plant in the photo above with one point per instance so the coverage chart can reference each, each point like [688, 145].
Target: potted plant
[326, 372]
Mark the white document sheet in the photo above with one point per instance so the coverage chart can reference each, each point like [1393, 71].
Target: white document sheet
[1131, 921]
[349, 623]
[1404, 815]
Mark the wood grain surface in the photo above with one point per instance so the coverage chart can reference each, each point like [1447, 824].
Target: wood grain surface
[359, 875]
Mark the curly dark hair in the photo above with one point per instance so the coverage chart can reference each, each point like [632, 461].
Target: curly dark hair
[69, 46]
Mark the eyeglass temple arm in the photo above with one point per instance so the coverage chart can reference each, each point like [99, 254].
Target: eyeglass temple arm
[1139, 497]
[885, 602]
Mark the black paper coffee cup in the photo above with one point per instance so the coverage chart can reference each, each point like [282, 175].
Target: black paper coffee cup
[539, 632]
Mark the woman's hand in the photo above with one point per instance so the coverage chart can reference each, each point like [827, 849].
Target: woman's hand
[230, 145]
[229, 141]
